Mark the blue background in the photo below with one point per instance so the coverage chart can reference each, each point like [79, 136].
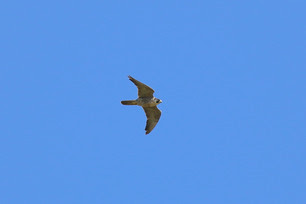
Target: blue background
[231, 75]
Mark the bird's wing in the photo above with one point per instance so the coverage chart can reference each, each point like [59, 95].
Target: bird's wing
[143, 90]
[153, 114]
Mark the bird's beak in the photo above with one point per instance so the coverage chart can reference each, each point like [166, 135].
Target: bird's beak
[161, 101]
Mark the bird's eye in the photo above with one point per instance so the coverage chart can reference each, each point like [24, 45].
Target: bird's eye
[157, 101]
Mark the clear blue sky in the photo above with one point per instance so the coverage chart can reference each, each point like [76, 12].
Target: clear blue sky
[231, 74]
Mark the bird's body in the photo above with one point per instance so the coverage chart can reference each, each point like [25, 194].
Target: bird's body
[148, 102]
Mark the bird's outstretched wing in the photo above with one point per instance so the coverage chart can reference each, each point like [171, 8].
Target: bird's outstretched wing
[153, 114]
[144, 91]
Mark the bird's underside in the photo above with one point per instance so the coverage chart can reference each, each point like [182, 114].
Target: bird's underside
[148, 102]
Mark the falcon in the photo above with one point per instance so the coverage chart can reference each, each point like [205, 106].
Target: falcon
[148, 102]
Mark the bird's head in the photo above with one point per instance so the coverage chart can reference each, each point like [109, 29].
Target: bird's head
[158, 101]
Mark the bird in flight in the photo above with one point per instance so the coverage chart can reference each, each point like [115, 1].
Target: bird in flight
[148, 102]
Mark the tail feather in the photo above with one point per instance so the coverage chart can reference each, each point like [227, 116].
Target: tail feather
[129, 102]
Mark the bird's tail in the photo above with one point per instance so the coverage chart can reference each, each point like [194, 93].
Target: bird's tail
[129, 102]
